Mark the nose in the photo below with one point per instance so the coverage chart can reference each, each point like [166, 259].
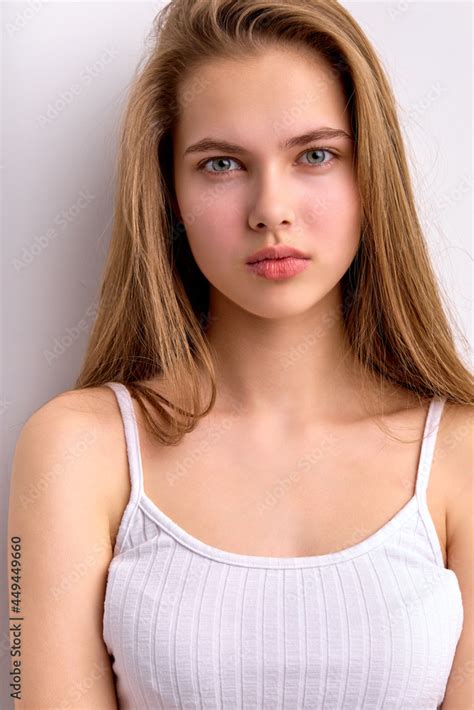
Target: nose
[271, 224]
[271, 209]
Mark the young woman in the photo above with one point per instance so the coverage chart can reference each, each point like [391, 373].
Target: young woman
[258, 493]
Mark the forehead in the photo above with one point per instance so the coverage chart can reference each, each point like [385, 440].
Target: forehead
[260, 98]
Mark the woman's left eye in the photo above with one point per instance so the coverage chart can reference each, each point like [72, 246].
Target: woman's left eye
[224, 158]
[321, 150]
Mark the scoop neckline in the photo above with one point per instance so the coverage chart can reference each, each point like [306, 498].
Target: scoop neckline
[139, 498]
[277, 562]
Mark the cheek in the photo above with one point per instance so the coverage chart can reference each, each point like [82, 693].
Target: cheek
[333, 216]
[213, 225]
[328, 215]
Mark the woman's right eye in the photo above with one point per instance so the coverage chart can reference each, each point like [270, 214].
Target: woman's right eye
[221, 159]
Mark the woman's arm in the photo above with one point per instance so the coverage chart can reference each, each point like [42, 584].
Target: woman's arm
[459, 693]
[57, 509]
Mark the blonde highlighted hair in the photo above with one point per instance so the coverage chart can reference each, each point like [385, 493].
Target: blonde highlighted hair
[153, 307]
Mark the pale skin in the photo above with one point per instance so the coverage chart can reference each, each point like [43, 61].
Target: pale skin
[273, 411]
[268, 197]
[271, 196]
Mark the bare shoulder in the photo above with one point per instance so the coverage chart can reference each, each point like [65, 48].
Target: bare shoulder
[78, 434]
[93, 404]
[455, 439]
[58, 528]
[455, 452]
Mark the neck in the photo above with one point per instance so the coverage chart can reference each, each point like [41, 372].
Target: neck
[298, 367]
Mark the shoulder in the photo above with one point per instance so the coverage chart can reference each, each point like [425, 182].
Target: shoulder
[75, 442]
[73, 406]
[58, 530]
[456, 428]
[454, 446]
[76, 423]
[455, 451]
[454, 457]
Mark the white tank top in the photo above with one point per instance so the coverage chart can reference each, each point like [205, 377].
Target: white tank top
[188, 625]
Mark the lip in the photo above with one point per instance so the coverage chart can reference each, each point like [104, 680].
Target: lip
[278, 269]
[280, 251]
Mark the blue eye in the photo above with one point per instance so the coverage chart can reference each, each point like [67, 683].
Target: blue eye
[221, 159]
[226, 159]
[320, 150]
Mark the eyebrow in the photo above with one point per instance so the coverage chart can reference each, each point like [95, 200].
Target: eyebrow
[323, 133]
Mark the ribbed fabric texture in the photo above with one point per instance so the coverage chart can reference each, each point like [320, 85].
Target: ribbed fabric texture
[191, 626]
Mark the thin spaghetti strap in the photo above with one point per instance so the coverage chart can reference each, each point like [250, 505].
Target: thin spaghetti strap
[428, 443]
[125, 403]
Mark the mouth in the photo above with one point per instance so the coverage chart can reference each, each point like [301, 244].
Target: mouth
[276, 253]
[277, 258]
[278, 269]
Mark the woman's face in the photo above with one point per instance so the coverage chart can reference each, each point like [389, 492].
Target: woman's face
[235, 201]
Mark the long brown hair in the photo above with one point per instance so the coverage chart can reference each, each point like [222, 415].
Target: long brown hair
[153, 309]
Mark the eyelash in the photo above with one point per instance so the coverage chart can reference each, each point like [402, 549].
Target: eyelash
[335, 156]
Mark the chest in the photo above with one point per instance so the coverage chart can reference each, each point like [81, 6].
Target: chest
[188, 631]
[245, 491]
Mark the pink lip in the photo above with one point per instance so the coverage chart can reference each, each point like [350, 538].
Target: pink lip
[278, 269]
[280, 251]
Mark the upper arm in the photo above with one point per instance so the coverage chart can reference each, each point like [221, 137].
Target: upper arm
[56, 513]
[460, 553]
